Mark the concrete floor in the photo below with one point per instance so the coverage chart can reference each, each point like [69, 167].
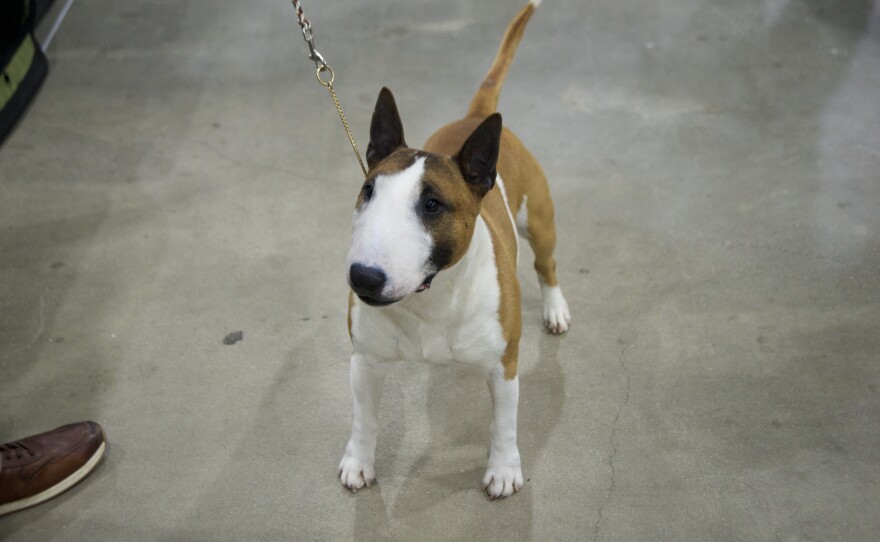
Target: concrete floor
[716, 169]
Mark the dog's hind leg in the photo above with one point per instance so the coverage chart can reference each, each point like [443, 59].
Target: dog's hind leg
[356, 469]
[535, 223]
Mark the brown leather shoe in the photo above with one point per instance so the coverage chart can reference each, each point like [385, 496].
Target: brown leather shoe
[37, 468]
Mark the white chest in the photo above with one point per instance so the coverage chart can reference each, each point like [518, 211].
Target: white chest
[402, 336]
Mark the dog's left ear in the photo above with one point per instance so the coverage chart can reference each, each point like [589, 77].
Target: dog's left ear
[386, 130]
[478, 156]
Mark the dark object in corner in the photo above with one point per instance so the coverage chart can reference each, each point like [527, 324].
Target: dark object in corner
[233, 337]
[23, 66]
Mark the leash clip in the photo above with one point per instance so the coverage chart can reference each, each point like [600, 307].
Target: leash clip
[314, 55]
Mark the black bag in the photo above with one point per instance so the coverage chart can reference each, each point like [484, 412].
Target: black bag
[23, 66]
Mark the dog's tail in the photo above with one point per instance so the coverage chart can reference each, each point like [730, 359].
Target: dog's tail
[486, 99]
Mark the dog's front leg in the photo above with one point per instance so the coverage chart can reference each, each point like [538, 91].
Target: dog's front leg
[367, 379]
[504, 475]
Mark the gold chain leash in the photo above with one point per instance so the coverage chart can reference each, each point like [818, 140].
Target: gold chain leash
[321, 67]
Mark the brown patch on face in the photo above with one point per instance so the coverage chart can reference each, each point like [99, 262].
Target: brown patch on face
[452, 226]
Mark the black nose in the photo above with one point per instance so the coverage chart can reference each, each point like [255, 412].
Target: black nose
[366, 281]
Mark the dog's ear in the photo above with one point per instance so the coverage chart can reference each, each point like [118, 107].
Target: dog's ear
[478, 156]
[386, 130]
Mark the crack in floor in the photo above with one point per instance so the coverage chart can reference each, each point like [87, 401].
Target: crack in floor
[622, 363]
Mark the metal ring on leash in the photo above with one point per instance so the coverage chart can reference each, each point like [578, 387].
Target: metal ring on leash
[325, 68]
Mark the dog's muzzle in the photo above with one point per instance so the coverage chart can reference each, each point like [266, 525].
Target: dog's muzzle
[367, 283]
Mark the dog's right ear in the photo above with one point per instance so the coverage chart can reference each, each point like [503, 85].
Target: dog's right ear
[478, 156]
[386, 130]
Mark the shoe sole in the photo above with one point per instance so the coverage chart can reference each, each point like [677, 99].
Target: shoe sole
[58, 488]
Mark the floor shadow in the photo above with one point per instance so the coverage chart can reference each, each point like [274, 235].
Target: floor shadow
[442, 491]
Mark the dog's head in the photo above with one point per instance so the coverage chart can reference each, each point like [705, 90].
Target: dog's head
[416, 211]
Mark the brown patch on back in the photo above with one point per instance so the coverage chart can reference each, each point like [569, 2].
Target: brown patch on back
[523, 177]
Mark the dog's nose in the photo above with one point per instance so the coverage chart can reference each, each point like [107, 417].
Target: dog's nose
[366, 281]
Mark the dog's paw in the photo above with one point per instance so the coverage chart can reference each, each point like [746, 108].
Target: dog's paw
[557, 317]
[355, 474]
[500, 482]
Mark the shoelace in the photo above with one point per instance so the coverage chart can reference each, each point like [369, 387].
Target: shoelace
[18, 448]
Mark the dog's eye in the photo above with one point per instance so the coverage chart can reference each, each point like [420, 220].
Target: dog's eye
[368, 191]
[433, 206]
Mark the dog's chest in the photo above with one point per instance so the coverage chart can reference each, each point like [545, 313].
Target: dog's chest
[475, 340]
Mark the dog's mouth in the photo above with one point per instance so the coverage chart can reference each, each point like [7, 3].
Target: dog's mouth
[427, 284]
[384, 302]
[376, 302]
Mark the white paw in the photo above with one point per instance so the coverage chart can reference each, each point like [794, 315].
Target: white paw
[501, 482]
[355, 474]
[557, 317]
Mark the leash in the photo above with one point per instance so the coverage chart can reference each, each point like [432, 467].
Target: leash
[322, 68]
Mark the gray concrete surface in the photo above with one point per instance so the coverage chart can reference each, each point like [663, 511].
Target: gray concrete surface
[716, 168]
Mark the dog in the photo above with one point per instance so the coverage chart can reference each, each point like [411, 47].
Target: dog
[432, 263]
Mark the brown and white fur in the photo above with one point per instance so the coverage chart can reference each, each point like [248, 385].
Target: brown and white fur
[446, 218]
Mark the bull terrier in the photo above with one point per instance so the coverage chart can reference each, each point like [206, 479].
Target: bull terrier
[432, 264]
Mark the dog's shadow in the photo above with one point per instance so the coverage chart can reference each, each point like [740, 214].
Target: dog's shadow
[442, 492]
